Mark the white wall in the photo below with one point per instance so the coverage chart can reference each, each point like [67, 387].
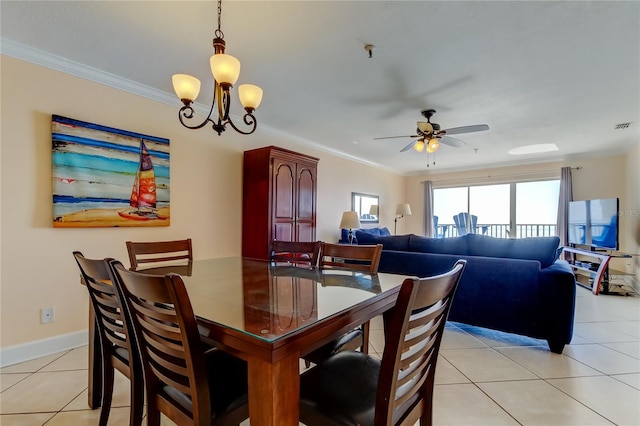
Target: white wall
[38, 269]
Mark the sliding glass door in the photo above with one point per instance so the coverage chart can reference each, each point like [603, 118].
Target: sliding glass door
[510, 210]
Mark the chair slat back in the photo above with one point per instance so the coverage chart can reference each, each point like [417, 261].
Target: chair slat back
[411, 349]
[162, 319]
[111, 326]
[165, 252]
[296, 252]
[364, 258]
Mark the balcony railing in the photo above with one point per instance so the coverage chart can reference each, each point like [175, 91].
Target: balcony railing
[501, 230]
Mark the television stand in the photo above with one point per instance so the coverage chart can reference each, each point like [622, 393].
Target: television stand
[589, 267]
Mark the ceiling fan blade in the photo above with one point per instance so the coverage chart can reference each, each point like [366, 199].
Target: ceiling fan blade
[396, 137]
[467, 129]
[425, 127]
[448, 140]
[408, 147]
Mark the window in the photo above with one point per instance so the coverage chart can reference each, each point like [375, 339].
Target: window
[537, 208]
[510, 210]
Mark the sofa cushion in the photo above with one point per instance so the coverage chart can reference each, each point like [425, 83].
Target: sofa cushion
[453, 245]
[389, 242]
[542, 249]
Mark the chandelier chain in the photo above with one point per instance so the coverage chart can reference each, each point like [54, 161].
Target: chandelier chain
[218, 32]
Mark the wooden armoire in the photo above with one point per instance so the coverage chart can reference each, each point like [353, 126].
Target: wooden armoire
[278, 199]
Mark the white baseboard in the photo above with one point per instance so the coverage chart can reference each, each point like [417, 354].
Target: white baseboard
[39, 348]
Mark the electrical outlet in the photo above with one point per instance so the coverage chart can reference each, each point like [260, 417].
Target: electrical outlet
[47, 315]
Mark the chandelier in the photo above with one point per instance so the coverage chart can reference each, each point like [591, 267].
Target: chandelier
[226, 70]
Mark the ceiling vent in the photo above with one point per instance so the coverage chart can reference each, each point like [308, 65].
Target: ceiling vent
[622, 126]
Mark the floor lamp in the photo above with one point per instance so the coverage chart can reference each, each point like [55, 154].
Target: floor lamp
[401, 210]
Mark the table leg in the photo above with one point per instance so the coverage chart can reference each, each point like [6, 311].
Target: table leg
[274, 391]
[95, 362]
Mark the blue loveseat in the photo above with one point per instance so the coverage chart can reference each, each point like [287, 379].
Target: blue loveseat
[380, 232]
[512, 285]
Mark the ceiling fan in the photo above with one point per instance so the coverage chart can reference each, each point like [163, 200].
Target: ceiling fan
[430, 135]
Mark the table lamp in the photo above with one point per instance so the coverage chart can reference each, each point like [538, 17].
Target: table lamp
[350, 220]
[401, 210]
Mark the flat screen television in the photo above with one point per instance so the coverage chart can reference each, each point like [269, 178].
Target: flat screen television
[594, 223]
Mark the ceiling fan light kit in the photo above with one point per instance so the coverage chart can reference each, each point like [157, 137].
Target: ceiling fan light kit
[226, 70]
[434, 135]
[433, 145]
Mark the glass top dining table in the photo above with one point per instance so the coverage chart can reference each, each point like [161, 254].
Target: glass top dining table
[271, 315]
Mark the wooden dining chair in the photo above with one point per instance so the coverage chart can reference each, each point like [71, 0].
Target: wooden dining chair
[187, 384]
[365, 258]
[117, 349]
[295, 253]
[151, 253]
[358, 258]
[352, 388]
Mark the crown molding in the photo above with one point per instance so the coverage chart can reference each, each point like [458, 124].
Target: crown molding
[77, 69]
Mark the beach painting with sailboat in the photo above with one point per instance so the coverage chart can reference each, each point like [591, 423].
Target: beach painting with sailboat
[107, 177]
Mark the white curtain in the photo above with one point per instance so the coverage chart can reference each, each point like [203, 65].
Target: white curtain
[428, 208]
[566, 195]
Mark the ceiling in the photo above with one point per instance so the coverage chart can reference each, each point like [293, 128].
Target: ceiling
[564, 72]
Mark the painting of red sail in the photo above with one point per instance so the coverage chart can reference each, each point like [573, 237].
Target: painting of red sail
[108, 177]
[143, 194]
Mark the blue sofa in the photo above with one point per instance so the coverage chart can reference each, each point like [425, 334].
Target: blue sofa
[344, 234]
[513, 285]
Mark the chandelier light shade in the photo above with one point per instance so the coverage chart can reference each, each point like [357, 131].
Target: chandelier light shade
[250, 96]
[419, 146]
[225, 70]
[186, 87]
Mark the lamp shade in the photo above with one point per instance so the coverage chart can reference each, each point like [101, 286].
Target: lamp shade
[225, 68]
[186, 86]
[350, 220]
[250, 96]
[403, 209]
[433, 146]
[419, 146]
[373, 210]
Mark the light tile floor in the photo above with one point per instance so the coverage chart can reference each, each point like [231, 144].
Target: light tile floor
[484, 377]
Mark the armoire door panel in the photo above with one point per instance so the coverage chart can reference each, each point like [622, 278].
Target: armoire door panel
[284, 190]
[284, 231]
[305, 231]
[306, 194]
